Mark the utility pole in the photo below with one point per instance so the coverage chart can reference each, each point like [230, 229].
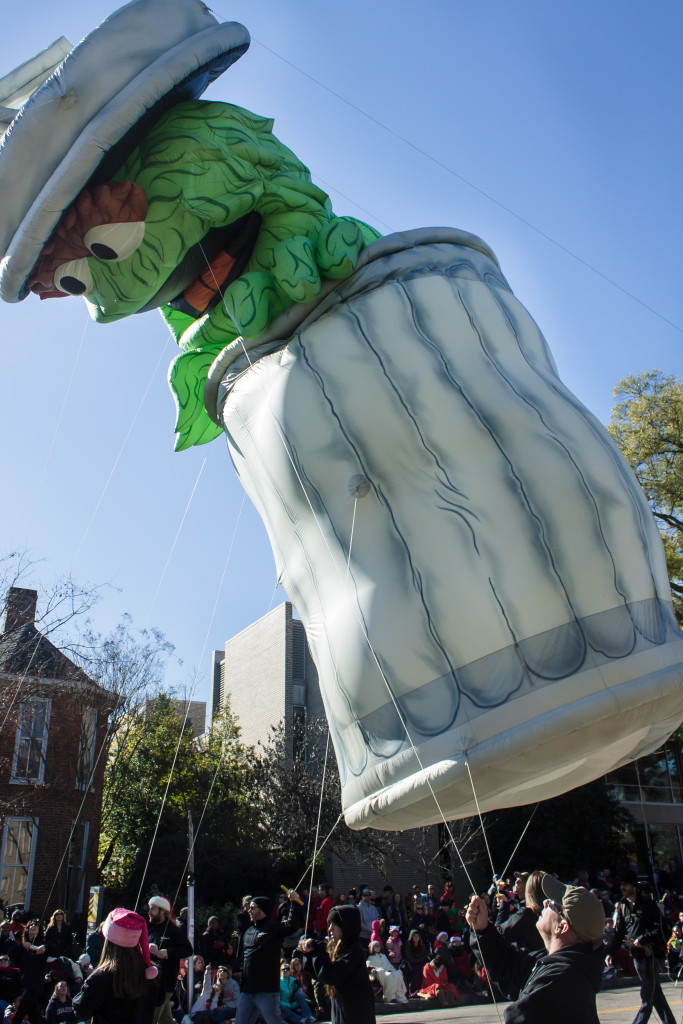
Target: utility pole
[190, 911]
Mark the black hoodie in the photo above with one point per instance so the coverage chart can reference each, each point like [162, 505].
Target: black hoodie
[260, 944]
[560, 987]
[353, 1001]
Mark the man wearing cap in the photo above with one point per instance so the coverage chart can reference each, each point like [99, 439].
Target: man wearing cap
[368, 913]
[558, 985]
[168, 945]
[260, 944]
[638, 924]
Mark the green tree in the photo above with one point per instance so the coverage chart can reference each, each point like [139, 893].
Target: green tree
[158, 772]
[289, 795]
[647, 424]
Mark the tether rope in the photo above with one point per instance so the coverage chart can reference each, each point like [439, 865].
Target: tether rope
[187, 707]
[175, 540]
[504, 871]
[356, 609]
[118, 457]
[470, 184]
[481, 820]
[58, 424]
[317, 830]
[86, 792]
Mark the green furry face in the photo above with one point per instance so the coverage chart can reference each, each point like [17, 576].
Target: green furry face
[235, 233]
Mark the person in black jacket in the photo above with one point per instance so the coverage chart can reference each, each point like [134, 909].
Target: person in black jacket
[341, 966]
[520, 926]
[560, 984]
[58, 937]
[638, 924]
[122, 989]
[32, 964]
[259, 945]
[212, 943]
[168, 946]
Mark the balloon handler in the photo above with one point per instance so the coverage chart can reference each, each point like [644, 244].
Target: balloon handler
[560, 983]
[481, 580]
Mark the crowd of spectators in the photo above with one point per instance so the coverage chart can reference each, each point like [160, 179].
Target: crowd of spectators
[40, 969]
[417, 944]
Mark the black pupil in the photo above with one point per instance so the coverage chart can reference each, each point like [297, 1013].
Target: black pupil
[103, 252]
[72, 285]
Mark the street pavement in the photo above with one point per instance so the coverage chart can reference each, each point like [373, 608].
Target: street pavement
[615, 1006]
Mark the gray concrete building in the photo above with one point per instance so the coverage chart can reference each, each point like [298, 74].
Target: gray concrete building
[269, 676]
[196, 713]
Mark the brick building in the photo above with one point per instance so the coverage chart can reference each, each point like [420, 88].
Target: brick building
[54, 723]
[269, 676]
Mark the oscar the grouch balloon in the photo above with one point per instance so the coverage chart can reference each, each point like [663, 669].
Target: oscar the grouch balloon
[482, 583]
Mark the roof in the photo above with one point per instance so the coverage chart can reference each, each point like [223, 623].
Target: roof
[25, 651]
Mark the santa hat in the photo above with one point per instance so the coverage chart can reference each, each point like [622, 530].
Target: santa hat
[128, 929]
[161, 902]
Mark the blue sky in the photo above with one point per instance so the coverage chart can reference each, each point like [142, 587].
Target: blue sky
[550, 130]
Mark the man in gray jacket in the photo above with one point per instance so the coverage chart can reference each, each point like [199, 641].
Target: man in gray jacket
[368, 914]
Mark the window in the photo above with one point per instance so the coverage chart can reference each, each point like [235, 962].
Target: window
[31, 744]
[75, 872]
[299, 733]
[18, 850]
[86, 747]
[298, 650]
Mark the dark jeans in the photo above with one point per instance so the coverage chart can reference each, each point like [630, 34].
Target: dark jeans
[651, 995]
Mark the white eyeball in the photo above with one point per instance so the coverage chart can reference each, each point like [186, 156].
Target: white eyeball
[74, 277]
[115, 241]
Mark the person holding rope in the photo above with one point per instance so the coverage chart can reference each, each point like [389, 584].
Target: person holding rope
[560, 983]
[340, 965]
[168, 945]
[260, 942]
[32, 964]
[638, 923]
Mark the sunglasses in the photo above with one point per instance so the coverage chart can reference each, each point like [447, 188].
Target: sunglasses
[556, 907]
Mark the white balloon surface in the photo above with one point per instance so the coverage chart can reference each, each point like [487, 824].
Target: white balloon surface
[480, 577]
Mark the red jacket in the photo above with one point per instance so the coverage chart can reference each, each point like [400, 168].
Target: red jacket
[322, 914]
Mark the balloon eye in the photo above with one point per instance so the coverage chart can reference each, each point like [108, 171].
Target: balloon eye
[73, 277]
[115, 241]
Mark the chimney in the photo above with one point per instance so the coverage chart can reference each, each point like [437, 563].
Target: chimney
[20, 608]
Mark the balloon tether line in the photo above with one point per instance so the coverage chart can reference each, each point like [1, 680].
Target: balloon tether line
[175, 541]
[327, 742]
[58, 424]
[481, 820]
[520, 840]
[118, 457]
[187, 711]
[195, 831]
[360, 624]
[86, 793]
[317, 829]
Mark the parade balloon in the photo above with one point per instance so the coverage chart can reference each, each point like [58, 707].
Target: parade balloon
[480, 577]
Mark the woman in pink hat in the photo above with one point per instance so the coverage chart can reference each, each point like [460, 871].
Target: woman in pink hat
[122, 989]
